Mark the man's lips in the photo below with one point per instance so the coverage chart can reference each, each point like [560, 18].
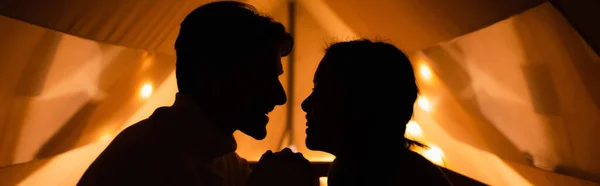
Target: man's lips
[268, 110]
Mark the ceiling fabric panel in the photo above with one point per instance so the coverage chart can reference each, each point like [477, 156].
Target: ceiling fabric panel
[153, 24]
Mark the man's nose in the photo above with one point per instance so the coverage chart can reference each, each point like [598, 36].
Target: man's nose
[280, 97]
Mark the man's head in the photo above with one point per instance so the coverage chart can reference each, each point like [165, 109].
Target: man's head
[229, 61]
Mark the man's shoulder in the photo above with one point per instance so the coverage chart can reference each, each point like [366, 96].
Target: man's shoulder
[136, 133]
[132, 155]
[131, 141]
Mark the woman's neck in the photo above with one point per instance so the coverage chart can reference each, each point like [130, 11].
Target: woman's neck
[366, 168]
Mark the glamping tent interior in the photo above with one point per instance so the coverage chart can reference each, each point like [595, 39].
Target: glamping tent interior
[509, 89]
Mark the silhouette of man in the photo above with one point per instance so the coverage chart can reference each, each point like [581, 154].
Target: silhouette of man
[228, 63]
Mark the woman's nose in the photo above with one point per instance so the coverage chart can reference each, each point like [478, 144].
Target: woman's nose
[306, 104]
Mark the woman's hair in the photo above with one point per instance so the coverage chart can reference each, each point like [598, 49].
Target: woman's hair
[378, 79]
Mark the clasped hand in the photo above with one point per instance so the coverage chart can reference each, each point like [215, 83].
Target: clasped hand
[283, 168]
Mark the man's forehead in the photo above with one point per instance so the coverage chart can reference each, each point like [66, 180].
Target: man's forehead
[270, 64]
[267, 56]
[277, 61]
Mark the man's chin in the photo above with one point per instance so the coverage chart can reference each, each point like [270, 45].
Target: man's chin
[310, 144]
[258, 134]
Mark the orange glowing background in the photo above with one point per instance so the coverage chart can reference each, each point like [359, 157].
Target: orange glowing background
[508, 89]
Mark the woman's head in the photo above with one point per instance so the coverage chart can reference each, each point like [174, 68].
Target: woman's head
[363, 96]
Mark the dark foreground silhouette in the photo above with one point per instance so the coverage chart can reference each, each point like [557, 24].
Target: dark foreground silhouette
[228, 63]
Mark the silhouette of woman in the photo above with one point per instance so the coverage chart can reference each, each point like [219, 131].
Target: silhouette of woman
[363, 97]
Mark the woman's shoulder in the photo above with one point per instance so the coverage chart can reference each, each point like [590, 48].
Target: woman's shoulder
[415, 159]
[424, 171]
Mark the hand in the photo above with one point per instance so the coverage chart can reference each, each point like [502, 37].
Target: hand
[283, 168]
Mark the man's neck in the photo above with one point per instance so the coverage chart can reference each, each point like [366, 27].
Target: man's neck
[197, 127]
[215, 118]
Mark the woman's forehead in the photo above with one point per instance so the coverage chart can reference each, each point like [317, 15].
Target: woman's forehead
[329, 68]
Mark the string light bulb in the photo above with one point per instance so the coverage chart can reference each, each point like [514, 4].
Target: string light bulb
[105, 137]
[413, 130]
[424, 103]
[146, 91]
[434, 154]
[425, 71]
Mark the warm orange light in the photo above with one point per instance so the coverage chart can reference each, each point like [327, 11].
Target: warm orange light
[425, 72]
[323, 181]
[423, 102]
[322, 158]
[293, 148]
[147, 62]
[105, 137]
[146, 91]
[413, 130]
[434, 154]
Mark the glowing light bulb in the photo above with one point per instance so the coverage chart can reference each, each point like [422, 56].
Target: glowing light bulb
[323, 181]
[146, 91]
[105, 137]
[434, 154]
[413, 130]
[425, 72]
[423, 102]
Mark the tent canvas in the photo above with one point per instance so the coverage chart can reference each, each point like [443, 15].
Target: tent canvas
[509, 91]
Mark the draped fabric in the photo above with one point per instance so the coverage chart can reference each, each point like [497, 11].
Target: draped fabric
[512, 93]
[134, 24]
[59, 92]
[153, 24]
[523, 89]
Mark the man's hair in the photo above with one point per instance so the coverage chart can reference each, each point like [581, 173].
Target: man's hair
[217, 36]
